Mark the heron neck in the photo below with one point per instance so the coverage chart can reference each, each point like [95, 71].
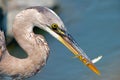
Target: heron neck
[22, 29]
[23, 33]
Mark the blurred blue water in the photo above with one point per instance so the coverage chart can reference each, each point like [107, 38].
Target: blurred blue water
[95, 25]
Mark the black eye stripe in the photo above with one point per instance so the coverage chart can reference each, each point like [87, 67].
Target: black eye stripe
[62, 30]
[54, 28]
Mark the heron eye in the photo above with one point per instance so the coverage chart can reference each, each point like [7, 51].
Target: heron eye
[54, 26]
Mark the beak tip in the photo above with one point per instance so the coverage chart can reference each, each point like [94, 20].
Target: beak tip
[98, 72]
[94, 69]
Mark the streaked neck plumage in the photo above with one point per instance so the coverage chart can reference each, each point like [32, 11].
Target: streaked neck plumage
[34, 45]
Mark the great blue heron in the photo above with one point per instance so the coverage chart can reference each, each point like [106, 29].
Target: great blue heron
[35, 45]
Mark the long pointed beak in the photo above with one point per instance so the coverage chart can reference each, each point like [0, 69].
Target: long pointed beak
[70, 43]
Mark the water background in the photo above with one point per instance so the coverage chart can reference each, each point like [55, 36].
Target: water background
[95, 25]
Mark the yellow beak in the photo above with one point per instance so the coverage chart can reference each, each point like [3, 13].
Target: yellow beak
[70, 43]
[78, 52]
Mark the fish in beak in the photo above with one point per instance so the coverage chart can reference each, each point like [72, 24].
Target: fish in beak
[70, 43]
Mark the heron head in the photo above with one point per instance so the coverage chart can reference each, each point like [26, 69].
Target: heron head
[51, 23]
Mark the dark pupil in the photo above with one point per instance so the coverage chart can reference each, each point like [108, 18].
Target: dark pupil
[54, 27]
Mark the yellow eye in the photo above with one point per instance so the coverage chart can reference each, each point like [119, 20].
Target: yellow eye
[54, 26]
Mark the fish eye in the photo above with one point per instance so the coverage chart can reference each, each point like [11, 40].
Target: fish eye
[54, 26]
